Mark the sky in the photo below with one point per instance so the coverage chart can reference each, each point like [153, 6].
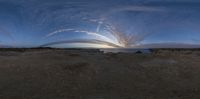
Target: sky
[99, 23]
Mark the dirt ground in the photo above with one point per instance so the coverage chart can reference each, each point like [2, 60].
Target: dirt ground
[74, 74]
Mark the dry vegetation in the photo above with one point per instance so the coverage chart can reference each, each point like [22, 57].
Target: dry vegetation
[79, 74]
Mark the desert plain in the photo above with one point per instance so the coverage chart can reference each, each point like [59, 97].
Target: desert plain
[92, 74]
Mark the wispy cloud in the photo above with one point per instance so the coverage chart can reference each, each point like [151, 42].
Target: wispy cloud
[88, 41]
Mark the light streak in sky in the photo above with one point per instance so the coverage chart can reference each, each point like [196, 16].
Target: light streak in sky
[78, 31]
[86, 41]
[121, 39]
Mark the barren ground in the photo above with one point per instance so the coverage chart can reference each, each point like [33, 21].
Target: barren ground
[73, 74]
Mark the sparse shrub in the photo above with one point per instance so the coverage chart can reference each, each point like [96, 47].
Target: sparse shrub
[138, 52]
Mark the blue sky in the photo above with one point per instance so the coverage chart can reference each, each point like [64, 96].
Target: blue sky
[26, 23]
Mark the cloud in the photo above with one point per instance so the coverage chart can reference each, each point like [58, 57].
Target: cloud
[87, 41]
[98, 35]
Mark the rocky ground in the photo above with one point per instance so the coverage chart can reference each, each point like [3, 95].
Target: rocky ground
[78, 74]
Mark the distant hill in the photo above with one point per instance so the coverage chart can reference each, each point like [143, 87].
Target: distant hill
[169, 45]
[5, 46]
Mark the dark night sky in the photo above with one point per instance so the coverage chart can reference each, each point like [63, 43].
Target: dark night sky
[84, 23]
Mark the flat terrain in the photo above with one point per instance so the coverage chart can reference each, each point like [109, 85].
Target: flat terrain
[79, 74]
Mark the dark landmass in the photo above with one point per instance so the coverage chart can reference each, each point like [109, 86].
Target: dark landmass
[153, 50]
[47, 73]
[169, 45]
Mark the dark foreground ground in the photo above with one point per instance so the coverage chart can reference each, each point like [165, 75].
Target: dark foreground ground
[78, 74]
